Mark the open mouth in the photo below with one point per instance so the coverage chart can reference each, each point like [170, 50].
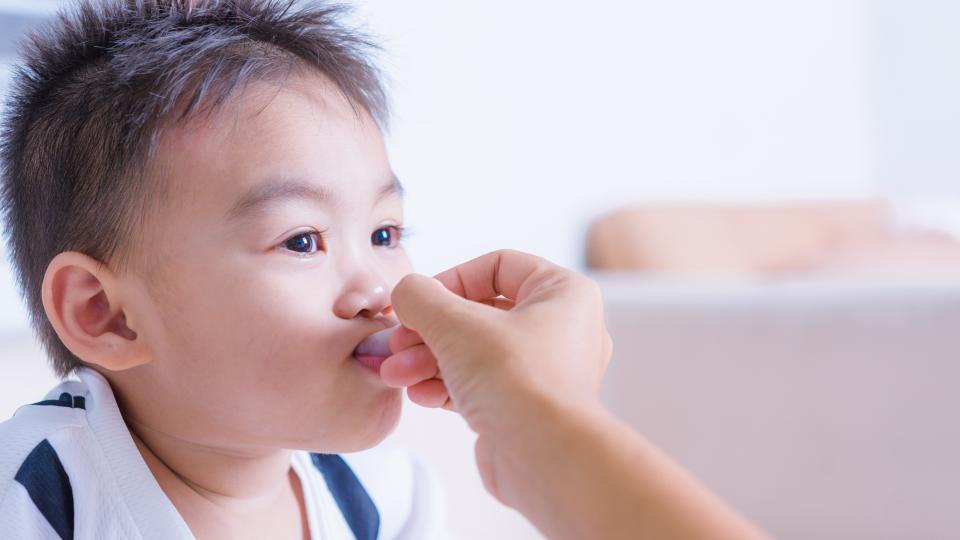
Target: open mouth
[374, 349]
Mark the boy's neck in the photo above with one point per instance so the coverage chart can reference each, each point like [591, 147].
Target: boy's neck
[218, 491]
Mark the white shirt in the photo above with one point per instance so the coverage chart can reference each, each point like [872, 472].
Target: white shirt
[70, 469]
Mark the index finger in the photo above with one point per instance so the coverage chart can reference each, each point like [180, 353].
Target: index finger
[506, 272]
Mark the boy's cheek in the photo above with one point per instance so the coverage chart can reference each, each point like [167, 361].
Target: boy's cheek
[258, 297]
[276, 378]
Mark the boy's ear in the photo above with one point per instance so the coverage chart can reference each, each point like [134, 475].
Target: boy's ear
[84, 302]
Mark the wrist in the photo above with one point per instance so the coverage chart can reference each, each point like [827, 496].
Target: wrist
[523, 418]
[579, 472]
[544, 458]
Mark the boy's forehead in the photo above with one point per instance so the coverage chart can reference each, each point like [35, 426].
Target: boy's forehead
[278, 143]
[266, 115]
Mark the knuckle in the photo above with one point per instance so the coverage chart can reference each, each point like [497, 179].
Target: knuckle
[592, 285]
[583, 282]
[590, 290]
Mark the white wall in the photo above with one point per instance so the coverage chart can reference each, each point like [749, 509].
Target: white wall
[913, 96]
[517, 121]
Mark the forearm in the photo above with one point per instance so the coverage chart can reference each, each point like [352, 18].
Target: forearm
[581, 473]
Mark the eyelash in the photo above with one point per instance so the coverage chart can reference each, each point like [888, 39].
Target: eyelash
[401, 232]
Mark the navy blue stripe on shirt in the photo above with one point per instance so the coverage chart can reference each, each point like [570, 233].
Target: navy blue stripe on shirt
[65, 400]
[354, 501]
[47, 482]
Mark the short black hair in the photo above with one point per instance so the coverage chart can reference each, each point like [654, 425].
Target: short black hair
[97, 84]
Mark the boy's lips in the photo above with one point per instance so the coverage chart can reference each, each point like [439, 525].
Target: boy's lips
[372, 363]
[374, 349]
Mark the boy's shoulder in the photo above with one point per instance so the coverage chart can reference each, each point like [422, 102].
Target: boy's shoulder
[35, 428]
[68, 465]
[38, 445]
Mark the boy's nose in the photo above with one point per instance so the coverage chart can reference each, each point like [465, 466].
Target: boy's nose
[367, 297]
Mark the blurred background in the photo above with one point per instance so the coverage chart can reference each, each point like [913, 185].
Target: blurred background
[768, 193]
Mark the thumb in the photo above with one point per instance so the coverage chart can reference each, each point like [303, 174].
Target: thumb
[425, 305]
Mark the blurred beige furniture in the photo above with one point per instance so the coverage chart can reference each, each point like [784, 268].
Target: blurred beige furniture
[808, 372]
[744, 241]
[820, 409]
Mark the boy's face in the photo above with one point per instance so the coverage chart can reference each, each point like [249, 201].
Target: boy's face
[273, 254]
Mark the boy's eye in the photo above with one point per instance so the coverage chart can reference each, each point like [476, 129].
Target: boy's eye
[309, 242]
[387, 236]
[302, 243]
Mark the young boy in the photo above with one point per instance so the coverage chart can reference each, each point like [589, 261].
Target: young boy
[205, 226]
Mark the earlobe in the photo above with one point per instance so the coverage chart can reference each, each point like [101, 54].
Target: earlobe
[84, 301]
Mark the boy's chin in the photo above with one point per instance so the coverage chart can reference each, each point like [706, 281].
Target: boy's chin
[370, 431]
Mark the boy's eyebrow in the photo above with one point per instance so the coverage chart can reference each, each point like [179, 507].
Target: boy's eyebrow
[295, 188]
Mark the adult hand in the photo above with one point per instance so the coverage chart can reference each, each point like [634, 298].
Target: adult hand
[518, 346]
[496, 334]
